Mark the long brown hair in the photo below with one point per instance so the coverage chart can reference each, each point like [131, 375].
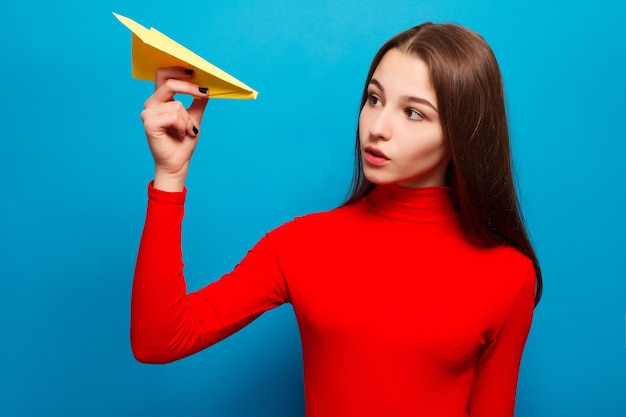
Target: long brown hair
[470, 95]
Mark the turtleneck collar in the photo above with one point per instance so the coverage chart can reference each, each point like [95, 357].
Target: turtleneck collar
[418, 205]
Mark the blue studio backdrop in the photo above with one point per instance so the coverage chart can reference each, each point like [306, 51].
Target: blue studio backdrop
[74, 168]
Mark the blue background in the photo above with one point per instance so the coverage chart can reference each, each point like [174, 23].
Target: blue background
[74, 168]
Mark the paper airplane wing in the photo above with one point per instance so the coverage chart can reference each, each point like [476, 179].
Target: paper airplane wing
[152, 50]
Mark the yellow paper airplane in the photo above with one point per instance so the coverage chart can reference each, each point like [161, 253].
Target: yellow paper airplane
[152, 50]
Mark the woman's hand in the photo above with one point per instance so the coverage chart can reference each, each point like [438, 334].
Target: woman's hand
[172, 130]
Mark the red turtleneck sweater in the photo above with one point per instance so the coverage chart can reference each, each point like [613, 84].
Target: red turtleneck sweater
[399, 314]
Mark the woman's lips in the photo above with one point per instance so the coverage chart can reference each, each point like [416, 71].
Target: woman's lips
[375, 156]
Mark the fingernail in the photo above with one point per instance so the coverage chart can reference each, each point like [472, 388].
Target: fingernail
[203, 90]
[195, 130]
[188, 71]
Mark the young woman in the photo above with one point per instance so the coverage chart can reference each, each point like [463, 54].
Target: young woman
[416, 296]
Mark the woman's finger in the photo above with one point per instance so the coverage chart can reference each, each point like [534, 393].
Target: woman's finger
[172, 124]
[173, 86]
[154, 112]
[164, 74]
[196, 110]
[170, 117]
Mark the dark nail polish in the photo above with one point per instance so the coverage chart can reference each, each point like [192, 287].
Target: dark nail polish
[188, 71]
[195, 130]
[203, 90]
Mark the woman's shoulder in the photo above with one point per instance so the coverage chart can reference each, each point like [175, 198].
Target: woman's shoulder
[510, 255]
[317, 226]
[507, 269]
[321, 221]
[505, 259]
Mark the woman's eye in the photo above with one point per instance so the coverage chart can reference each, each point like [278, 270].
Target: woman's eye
[414, 114]
[373, 100]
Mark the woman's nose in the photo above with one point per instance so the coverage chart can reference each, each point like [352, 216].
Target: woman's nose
[380, 125]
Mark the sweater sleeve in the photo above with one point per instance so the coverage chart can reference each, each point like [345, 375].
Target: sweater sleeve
[167, 323]
[495, 383]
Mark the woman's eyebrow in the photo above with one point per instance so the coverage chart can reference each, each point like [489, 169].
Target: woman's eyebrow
[405, 98]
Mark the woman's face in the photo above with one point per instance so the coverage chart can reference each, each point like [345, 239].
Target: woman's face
[400, 132]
